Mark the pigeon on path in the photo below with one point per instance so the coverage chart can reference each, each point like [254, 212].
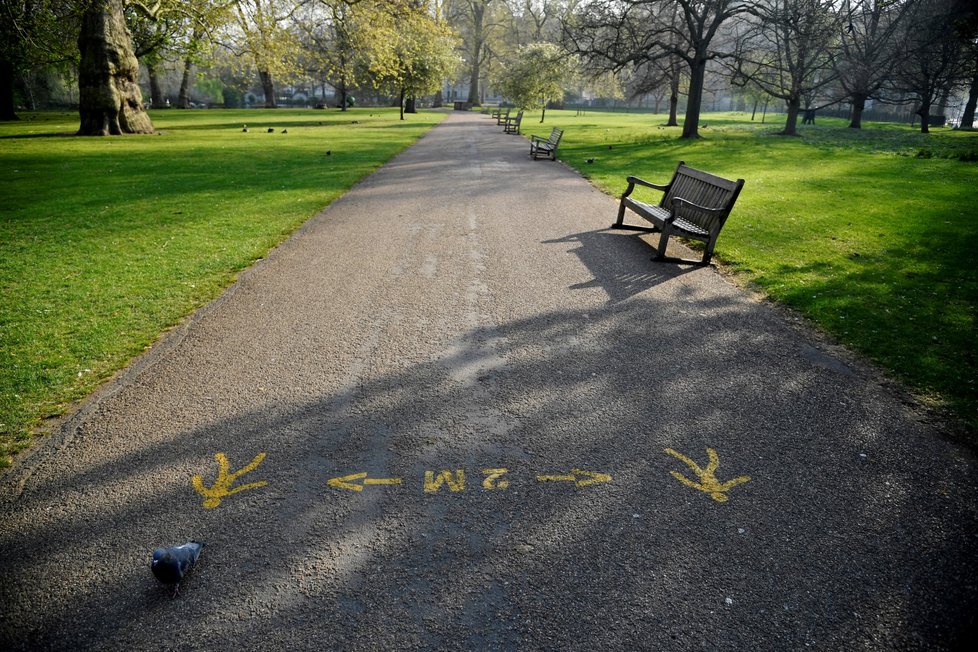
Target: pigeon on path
[171, 564]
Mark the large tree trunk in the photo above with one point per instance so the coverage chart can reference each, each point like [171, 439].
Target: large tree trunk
[183, 99]
[268, 87]
[858, 106]
[474, 85]
[478, 40]
[7, 109]
[697, 76]
[924, 113]
[109, 99]
[791, 122]
[673, 98]
[342, 89]
[968, 117]
[155, 91]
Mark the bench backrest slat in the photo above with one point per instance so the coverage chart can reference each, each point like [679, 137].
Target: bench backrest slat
[704, 189]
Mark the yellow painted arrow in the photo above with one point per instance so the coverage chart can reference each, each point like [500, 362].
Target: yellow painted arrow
[708, 481]
[575, 476]
[349, 481]
[223, 485]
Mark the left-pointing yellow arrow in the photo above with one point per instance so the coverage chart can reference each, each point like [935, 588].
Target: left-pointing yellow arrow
[349, 481]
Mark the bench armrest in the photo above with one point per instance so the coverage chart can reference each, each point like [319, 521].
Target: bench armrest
[538, 139]
[678, 203]
[635, 181]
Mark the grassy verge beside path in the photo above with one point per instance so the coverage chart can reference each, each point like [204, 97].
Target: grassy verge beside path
[106, 242]
[871, 234]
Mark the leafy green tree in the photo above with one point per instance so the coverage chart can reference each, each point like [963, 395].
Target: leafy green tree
[344, 40]
[262, 36]
[423, 54]
[537, 75]
[479, 23]
[33, 33]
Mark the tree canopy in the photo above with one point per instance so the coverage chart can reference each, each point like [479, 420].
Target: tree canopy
[536, 75]
[802, 53]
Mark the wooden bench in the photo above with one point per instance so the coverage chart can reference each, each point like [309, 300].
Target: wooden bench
[502, 116]
[495, 113]
[540, 146]
[695, 204]
[512, 125]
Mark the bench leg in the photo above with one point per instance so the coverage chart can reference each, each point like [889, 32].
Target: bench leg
[660, 253]
[708, 252]
[621, 216]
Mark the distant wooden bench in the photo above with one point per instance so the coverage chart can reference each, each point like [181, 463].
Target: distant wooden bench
[695, 206]
[512, 125]
[495, 113]
[546, 147]
[502, 116]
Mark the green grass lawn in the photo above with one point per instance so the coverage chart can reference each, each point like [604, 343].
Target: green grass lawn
[107, 242]
[871, 234]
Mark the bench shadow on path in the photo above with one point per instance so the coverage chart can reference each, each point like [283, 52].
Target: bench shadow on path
[610, 255]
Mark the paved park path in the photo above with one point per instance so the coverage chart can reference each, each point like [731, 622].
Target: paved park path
[458, 413]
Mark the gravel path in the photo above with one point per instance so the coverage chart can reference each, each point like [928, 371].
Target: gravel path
[477, 419]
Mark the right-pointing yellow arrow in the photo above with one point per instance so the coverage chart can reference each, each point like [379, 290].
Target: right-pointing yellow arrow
[590, 477]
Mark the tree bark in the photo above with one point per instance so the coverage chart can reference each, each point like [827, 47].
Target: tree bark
[183, 99]
[268, 88]
[673, 120]
[342, 90]
[109, 99]
[968, 117]
[155, 92]
[924, 113]
[697, 76]
[478, 40]
[791, 122]
[858, 106]
[474, 85]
